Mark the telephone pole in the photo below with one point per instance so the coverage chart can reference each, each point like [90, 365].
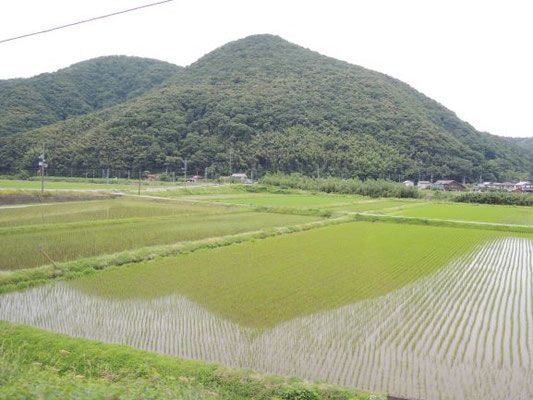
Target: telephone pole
[42, 165]
[230, 161]
[139, 190]
[185, 170]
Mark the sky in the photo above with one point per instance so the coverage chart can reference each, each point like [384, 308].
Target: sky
[474, 57]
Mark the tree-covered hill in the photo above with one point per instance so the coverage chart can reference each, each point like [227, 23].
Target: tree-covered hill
[524, 142]
[79, 89]
[277, 107]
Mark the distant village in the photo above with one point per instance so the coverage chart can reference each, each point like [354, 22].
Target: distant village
[454, 186]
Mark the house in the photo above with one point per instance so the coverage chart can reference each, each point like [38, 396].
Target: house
[524, 186]
[409, 183]
[423, 185]
[448, 186]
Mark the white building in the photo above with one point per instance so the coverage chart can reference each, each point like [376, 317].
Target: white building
[409, 183]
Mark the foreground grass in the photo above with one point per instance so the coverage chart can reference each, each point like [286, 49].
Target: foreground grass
[262, 283]
[471, 212]
[38, 364]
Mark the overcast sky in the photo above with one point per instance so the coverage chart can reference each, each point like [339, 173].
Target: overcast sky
[475, 57]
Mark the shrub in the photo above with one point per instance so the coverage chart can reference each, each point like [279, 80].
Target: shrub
[370, 187]
[505, 198]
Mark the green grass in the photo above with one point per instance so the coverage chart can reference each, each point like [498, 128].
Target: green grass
[38, 364]
[77, 230]
[262, 283]
[472, 212]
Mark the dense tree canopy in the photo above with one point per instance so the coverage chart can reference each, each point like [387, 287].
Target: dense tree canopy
[80, 89]
[276, 107]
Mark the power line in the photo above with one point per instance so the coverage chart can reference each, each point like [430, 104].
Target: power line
[84, 21]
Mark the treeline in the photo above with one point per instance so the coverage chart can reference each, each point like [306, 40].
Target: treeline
[503, 198]
[369, 187]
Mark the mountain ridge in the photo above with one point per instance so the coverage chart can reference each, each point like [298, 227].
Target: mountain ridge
[284, 108]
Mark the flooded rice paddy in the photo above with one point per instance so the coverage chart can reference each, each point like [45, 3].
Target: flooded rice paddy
[465, 332]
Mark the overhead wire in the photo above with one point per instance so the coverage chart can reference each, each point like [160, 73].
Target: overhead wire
[83, 21]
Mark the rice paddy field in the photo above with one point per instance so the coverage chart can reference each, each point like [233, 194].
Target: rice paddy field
[66, 232]
[471, 212]
[416, 311]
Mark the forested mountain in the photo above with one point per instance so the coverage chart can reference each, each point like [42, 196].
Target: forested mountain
[524, 142]
[79, 89]
[277, 107]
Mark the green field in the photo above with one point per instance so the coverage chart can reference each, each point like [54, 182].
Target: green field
[76, 230]
[471, 212]
[381, 306]
[289, 200]
[19, 184]
[263, 283]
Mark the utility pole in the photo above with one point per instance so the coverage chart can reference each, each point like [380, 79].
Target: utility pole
[230, 161]
[139, 190]
[185, 170]
[42, 165]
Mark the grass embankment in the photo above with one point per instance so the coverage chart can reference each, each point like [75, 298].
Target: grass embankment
[38, 364]
[262, 283]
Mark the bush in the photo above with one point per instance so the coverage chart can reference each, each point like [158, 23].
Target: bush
[23, 175]
[505, 198]
[372, 188]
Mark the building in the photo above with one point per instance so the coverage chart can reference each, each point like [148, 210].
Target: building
[448, 186]
[409, 183]
[524, 186]
[423, 185]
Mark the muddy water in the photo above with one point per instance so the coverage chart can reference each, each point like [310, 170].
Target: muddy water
[463, 333]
